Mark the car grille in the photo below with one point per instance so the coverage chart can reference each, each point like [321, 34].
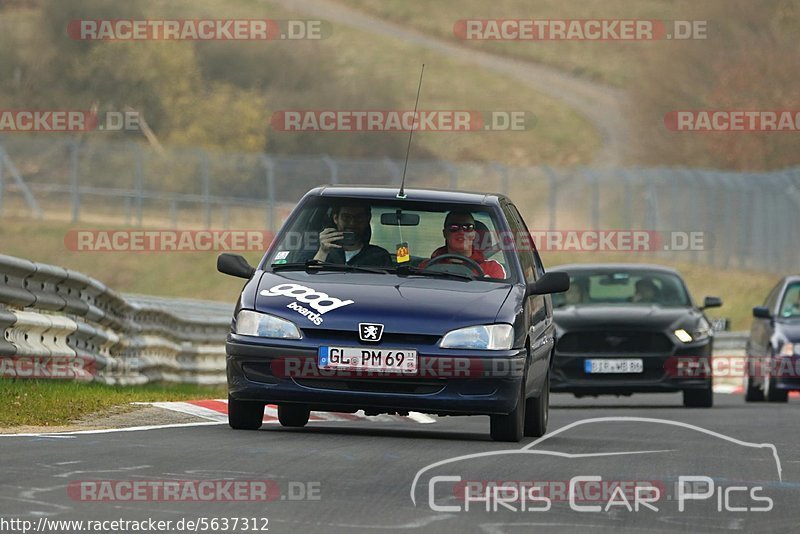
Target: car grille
[614, 342]
[389, 339]
[408, 386]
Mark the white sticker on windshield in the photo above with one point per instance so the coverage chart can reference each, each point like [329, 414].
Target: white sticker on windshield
[282, 255]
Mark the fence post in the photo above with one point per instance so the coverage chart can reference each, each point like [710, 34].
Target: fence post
[173, 212]
[269, 174]
[627, 215]
[453, 172]
[2, 183]
[394, 170]
[139, 178]
[333, 169]
[594, 181]
[205, 175]
[75, 179]
[553, 200]
[503, 170]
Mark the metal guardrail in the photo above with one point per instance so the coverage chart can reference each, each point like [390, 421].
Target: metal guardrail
[58, 323]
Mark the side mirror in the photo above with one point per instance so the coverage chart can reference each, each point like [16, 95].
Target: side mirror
[549, 283]
[235, 265]
[711, 302]
[761, 312]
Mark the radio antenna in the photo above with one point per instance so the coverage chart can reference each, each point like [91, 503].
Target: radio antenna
[402, 192]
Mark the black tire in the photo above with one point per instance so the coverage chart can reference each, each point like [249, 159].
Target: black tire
[293, 415]
[245, 415]
[510, 427]
[752, 393]
[537, 411]
[773, 394]
[699, 398]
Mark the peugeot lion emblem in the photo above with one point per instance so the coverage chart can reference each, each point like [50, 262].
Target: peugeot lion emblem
[370, 332]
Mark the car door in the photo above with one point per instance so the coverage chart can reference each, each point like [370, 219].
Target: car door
[538, 308]
[762, 329]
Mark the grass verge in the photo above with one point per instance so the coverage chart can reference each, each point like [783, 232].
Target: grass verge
[55, 403]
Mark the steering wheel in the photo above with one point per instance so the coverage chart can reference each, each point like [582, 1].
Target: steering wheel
[471, 264]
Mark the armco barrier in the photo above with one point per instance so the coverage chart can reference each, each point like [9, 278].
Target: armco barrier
[59, 323]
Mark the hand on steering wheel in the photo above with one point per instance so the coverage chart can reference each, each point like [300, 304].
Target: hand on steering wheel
[473, 265]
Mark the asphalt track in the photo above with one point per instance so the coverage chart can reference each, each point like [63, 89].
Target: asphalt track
[360, 472]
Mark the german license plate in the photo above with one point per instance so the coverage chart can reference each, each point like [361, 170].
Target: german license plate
[367, 359]
[614, 366]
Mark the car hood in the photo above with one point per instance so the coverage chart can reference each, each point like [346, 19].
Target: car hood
[637, 316]
[412, 304]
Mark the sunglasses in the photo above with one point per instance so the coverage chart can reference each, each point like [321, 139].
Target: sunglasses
[453, 228]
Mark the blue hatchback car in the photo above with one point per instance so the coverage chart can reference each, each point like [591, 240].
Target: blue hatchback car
[387, 302]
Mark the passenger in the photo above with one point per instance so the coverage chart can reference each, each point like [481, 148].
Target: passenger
[576, 294]
[351, 218]
[459, 237]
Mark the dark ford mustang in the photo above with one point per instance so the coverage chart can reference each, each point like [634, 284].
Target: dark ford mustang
[634, 328]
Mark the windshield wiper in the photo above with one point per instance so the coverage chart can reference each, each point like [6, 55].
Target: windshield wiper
[408, 269]
[317, 265]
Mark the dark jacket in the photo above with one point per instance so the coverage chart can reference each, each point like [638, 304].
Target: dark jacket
[369, 256]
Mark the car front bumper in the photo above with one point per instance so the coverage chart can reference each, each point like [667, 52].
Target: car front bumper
[661, 372]
[282, 371]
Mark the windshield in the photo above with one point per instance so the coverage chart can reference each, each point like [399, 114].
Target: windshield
[413, 236]
[790, 307]
[623, 287]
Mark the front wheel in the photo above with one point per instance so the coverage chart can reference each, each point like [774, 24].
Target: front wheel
[537, 411]
[293, 415]
[772, 393]
[245, 415]
[752, 393]
[699, 398]
[510, 427]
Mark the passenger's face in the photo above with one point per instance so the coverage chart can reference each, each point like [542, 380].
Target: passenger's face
[574, 295]
[459, 240]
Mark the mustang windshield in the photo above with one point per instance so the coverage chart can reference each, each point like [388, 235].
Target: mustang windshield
[390, 234]
[623, 287]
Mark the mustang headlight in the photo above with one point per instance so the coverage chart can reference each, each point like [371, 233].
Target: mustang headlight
[703, 331]
[485, 337]
[789, 349]
[250, 323]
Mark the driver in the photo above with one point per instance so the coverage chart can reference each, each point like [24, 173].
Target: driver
[351, 218]
[646, 291]
[459, 237]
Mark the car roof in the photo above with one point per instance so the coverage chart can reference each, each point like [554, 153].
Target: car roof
[412, 194]
[607, 267]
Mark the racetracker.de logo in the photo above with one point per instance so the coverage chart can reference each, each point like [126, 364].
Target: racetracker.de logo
[49, 367]
[399, 120]
[66, 120]
[733, 120]
[167, 240]
[578, 29]
[196, 29]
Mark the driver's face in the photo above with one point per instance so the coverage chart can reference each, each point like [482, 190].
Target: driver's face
[352, 219]
[459, 241]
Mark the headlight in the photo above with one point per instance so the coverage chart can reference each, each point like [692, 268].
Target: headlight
[703, 331]
[486, 337]
[683, 335]
[250, 323]
[789, 349]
